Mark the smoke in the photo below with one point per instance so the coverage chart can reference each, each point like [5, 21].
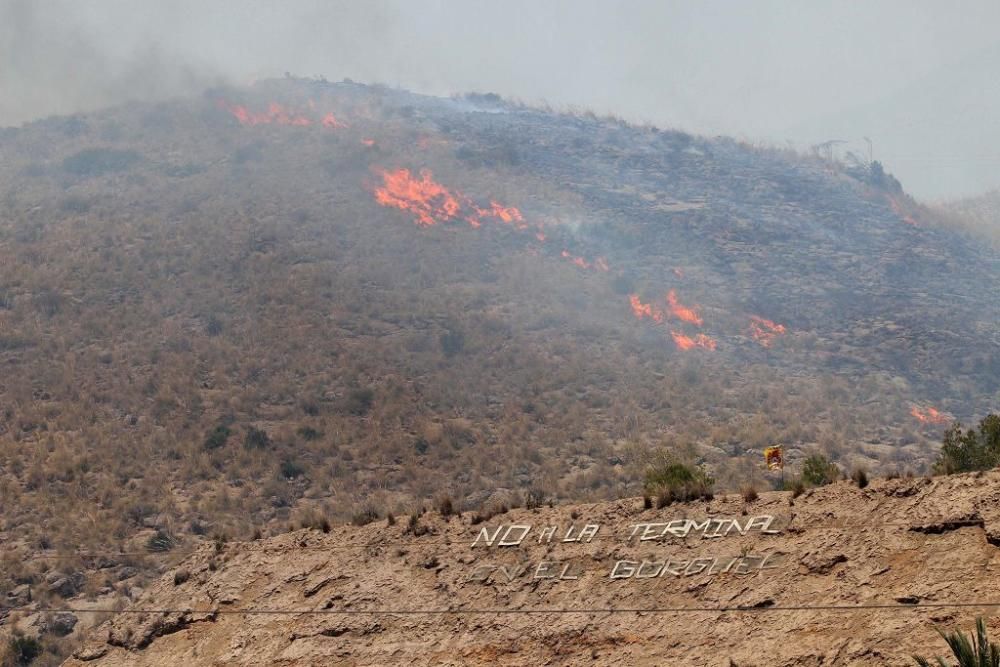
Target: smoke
[769, 71]
[58, 59]
[62, 56]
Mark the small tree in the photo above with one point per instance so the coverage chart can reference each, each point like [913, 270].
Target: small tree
[256, 438]
[819, 471]
[21, 651]
[217, 437]
[359, 401]
[973, 449]
[972, 651]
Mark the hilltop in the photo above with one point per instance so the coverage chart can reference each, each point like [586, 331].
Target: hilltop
[304, 303]
[891, 546]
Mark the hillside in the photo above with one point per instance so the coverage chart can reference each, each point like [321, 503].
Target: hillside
[840, 576]
[270, 307]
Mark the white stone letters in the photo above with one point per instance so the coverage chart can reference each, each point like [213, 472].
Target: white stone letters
[521, 535]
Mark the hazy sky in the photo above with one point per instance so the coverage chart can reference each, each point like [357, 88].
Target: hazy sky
[920, 78]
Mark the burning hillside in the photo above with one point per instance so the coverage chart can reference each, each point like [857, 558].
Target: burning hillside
[333, 300]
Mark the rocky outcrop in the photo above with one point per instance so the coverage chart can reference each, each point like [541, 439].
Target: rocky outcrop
[844, 576]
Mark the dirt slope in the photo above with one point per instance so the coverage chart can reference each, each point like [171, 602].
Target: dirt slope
[902, 543]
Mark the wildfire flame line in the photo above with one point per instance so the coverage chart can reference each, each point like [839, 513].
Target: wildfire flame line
[764, 331]
[684, 342]
[682, 312]
[599, 264]
[930, 415]
[432, 203]
[428, 200]
[657, 314]
[278, 114]
[642, 310]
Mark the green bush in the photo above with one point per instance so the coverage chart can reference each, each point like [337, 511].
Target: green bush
[290, 469]
[359, 401]
[256, 438]
[309, 433]
[22, 651]
[452, 342]
[160, 542]
[818, 471]
[213, 326]
[974, 449]
[678, 482]
[972, 651]
[217, 438]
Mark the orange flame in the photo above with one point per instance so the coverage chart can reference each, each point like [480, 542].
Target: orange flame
[277, 114]
[330, 121]
[764, 331]
[600, 264]
[431, 202]
[930, 415]
[508, 214]
[641, 310]
[505, 213]
[368, 142]
[688, 343]
[682, 312]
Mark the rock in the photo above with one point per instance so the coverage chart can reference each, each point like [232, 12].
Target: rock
[91, 652]
[20, 595]
[938, 526]
[65, 585]
[61, 623]
[823, 563]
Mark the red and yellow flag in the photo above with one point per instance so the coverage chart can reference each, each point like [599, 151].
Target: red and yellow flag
[773, 458]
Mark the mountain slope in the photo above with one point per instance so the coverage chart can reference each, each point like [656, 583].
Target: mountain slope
[852, 577]
[245, 311]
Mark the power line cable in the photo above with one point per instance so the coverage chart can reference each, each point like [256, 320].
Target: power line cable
[487, 611]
